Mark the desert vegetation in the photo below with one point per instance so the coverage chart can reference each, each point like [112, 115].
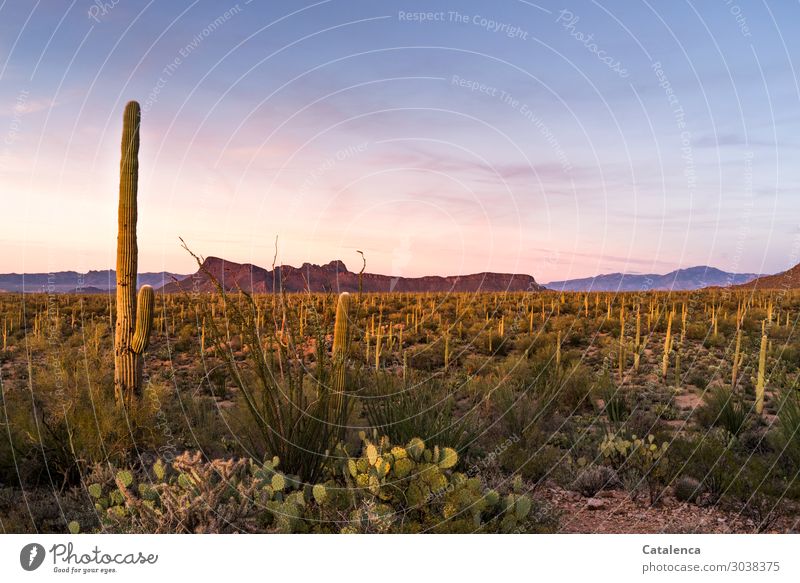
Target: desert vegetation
[400, 412]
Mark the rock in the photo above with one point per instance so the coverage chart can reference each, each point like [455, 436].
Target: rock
[595, 504]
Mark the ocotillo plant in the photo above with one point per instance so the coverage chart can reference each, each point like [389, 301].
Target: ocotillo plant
[762, 364]
[133, 325]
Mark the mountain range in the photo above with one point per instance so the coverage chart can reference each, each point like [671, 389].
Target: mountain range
[73, 282]
[690, 278]
[789, 279]
[335, 277]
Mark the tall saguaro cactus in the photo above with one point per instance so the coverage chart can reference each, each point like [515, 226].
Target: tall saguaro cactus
[134, 322]
[341, 348]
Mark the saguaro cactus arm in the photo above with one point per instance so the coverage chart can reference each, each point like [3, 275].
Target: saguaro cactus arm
[144, 320]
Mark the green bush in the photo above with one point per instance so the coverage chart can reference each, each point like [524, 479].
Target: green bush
[426, 408]
[724, 409]
[687, 489]
[593, 479]
[71, 421]
[786, 436]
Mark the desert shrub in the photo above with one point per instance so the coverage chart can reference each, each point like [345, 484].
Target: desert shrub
[593, 479]
[610, 326]
[575, 385]
[696, 331]
[754, 440]
[756, 492]
[425, 408]
[707, 458]
[698, 378]
[642, 422]
[516, 410]
[615, 405]
[430, 357]
[566, 389]
[187, 336]
[42, 510]
[722, 408]
[786, 436]
[715, 341]
[687, 489]
[535, 463]
[789, 354]
[664, 412]
[70, 421]
[492, 344]
[537, 343]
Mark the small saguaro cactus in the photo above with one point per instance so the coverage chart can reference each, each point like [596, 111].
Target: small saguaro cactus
[737, 358]
[341, 345]
[622, 355]
[447, 349]
[762, 365]
[667, 348]
[558, 349]
[637, 348]
[134, 318]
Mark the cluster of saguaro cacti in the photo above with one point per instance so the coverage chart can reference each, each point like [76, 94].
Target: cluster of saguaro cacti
[134, 318]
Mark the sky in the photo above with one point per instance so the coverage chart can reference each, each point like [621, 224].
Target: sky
[559, 139]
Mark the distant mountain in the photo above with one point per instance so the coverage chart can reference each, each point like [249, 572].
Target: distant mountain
[73, 282]
[690, 278]
[335, 277]
[789, 279]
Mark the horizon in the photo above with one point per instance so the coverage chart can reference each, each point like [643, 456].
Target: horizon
[492, 139]
[278, 265]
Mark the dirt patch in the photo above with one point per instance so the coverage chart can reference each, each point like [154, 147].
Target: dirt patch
[614, 512]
